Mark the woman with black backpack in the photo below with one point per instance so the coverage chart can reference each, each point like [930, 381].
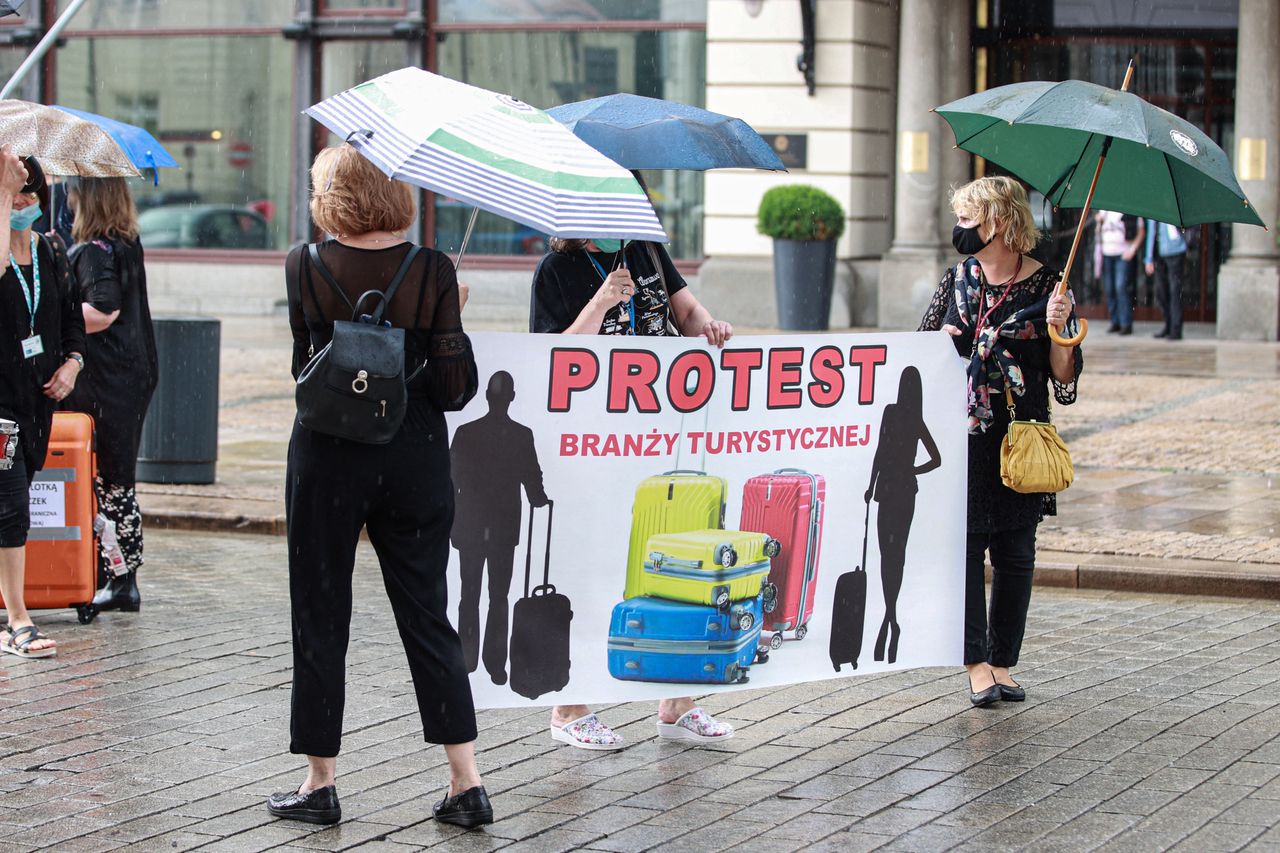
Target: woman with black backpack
[392, 482]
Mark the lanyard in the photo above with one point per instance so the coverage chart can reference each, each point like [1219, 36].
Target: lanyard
[31, 295]
[631, 314]
[983, 317]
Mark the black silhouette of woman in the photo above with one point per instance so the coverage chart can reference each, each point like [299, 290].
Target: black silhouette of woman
[893, 486]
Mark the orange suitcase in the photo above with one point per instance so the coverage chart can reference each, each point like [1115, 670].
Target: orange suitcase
[62, 560]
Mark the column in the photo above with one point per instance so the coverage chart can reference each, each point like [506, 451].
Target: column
[1249, 282]
[933, 67]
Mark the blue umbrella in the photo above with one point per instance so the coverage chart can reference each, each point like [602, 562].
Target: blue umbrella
[142, 149]
[11, 7]
[648, 133]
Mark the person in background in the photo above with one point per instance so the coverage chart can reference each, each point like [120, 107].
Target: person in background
[1120, 235]
[601, 287]
[399, 492]
[42, 332]
[116, 389]
[1166, 258]
[997, 305]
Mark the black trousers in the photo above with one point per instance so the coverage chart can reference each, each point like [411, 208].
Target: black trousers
[998, 640]
[401, 493]
[1169, 274]
[472, 562]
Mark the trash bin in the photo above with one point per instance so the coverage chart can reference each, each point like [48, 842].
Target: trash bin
[180, 434]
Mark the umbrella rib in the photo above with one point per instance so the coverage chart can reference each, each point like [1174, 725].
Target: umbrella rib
[1174, 188]
[978, 132]
[1070, 175]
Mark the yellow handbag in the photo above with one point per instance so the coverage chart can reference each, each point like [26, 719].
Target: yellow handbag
[1033, 457]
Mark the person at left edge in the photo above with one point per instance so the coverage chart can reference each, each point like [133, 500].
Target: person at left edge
[122, 370]
[41, 354]
[599, 287]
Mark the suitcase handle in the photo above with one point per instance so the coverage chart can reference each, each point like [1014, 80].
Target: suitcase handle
[528, 551]
[685, 471]
[545, 589]
[800, 471]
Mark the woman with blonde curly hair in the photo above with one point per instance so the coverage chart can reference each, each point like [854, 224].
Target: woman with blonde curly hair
[399, 492]
[997, 305]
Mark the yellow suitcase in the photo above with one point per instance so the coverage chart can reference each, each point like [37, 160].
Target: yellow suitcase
[715, 567]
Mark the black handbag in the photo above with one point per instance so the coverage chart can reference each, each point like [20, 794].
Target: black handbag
[354, 388]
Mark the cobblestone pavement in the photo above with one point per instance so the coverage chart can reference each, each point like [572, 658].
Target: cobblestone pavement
[1153, 723]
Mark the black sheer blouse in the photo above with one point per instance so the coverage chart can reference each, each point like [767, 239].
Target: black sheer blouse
[425, 305]
[994, 507]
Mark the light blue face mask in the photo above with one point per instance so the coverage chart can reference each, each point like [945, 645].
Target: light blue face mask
[21, 220]
[606, 245]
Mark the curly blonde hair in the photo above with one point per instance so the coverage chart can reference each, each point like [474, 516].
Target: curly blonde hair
[349, 195]
[998, 201]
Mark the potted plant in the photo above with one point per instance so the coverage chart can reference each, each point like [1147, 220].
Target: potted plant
[805, 223]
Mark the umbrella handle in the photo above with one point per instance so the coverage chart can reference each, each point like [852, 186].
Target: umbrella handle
[1058, 339]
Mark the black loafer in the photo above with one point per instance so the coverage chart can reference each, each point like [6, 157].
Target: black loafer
[469, 809]
[318, 806]
[1012, 693]
[985, 697]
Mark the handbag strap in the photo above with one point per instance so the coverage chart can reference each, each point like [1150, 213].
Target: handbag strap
[1013, 415]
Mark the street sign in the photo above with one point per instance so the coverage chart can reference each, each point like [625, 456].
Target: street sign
[240, 155]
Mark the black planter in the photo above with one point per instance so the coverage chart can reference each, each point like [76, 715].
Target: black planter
[804, 275]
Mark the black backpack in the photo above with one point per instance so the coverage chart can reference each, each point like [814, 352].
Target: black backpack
[354, 388]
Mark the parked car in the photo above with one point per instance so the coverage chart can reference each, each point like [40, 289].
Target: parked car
[203, 226]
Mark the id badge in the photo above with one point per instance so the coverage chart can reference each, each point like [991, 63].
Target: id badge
[32, 347]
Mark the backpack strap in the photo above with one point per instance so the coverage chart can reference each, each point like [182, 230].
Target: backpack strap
[651, 249]
[313, 250]
[395, 282]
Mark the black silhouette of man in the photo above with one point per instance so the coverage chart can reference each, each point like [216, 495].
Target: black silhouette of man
[492, 458]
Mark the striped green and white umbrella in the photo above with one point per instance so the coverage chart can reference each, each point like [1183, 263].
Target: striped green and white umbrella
[490, 151]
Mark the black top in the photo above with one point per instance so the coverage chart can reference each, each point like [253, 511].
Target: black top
[425, 305]
[564, 283]
[993, 506]
[60, 325]
[121, 368]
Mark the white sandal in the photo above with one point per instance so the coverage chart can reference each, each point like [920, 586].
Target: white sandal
[696, 725]
[587, 733]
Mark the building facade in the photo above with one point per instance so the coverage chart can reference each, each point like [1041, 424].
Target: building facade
[223, 84]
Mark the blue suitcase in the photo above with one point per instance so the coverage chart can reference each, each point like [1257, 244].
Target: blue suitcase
[651, 639]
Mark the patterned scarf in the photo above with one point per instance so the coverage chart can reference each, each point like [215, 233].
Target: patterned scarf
[992, 367]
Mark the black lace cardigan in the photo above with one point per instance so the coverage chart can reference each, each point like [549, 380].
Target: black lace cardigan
[993, 507]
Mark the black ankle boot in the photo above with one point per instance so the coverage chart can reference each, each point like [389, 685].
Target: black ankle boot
[120, 593]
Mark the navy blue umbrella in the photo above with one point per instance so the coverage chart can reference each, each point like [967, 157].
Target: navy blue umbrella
[648, 133]
[142, 149]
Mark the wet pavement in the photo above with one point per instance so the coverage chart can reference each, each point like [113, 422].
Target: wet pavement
[1152, 722]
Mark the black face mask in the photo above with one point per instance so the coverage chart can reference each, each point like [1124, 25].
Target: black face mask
[968, 241]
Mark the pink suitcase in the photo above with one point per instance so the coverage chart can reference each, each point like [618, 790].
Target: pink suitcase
[788, 505]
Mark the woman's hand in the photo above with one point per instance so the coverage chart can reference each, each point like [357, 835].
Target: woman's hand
[717, 332]
[464, 293]
[1058, 310]
[13, 175]
[64, 379]
[616, 289]
[953, 331]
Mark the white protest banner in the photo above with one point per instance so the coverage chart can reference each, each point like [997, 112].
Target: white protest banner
[48, 501]
[783, 510]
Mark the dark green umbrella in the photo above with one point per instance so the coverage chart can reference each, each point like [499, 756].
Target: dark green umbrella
[1082, 145]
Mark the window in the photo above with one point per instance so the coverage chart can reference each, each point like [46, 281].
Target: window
[569, 11]
[221, 105]
[177, 14]
[547, 68]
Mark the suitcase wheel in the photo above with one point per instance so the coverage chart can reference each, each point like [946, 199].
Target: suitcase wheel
[772, 547]
[86, 613]
[726, 556]
[770, 593]
[801, 632]
[746, 621]
[775, 643]
[722, 599]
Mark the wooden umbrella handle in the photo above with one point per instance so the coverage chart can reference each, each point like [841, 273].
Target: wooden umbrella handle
[1056, 336]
